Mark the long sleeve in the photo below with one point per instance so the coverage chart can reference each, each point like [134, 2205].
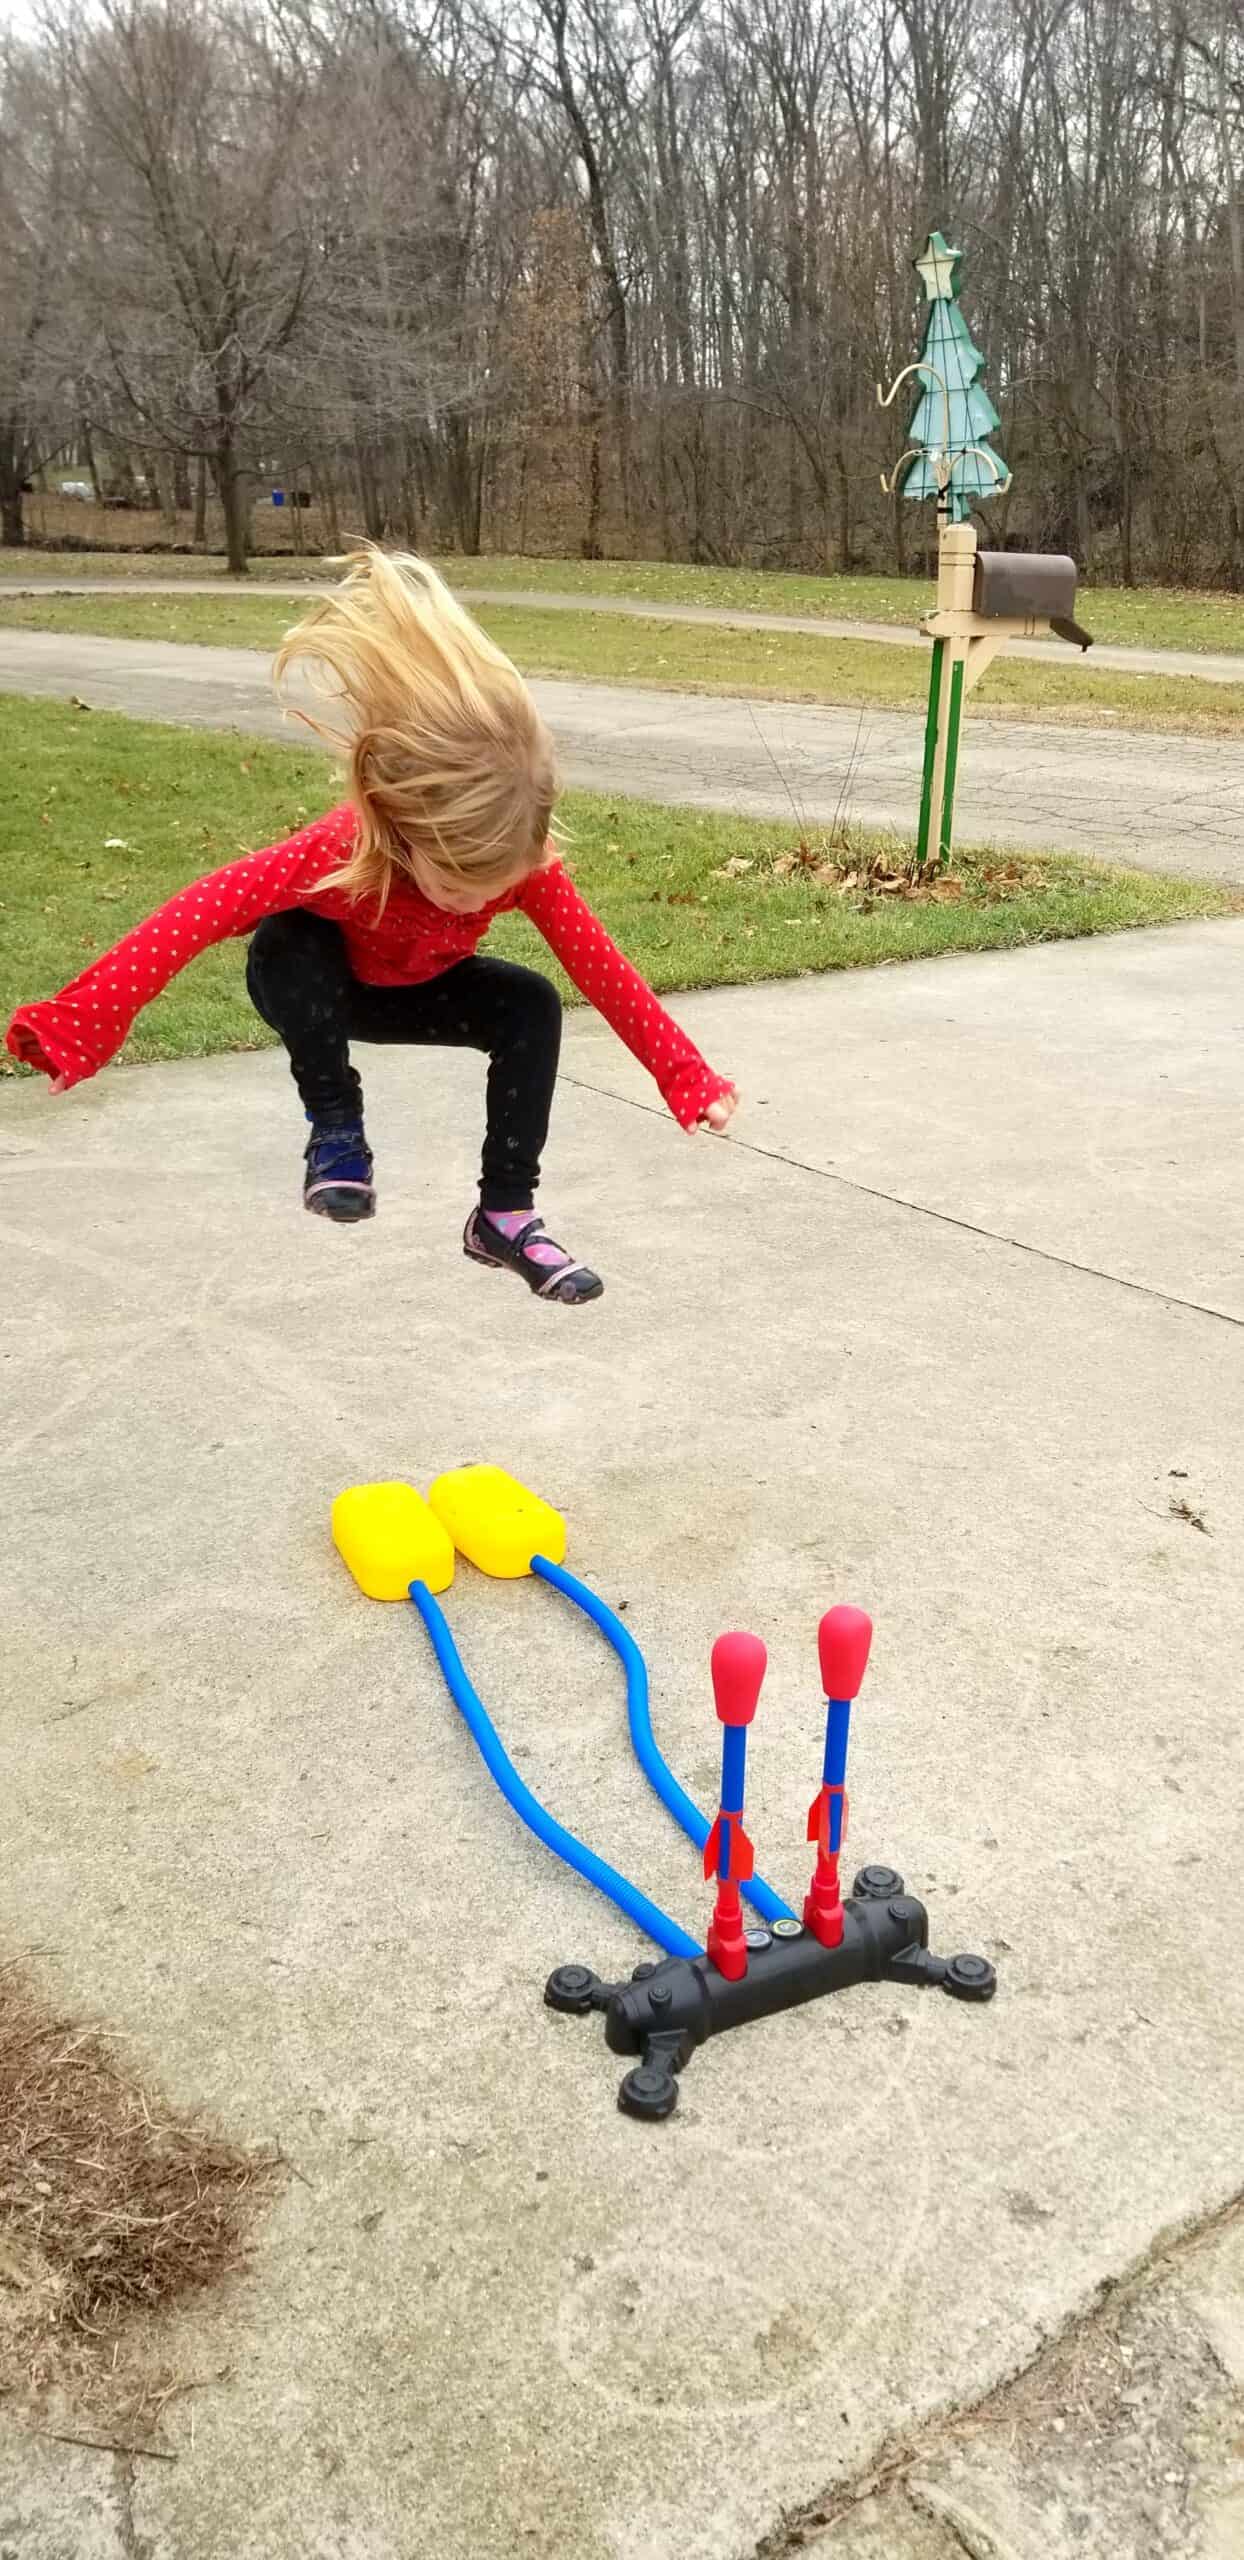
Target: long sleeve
[597, 968]
[76, 1032]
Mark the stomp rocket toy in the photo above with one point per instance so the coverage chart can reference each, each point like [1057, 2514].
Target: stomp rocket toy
[399, 1547]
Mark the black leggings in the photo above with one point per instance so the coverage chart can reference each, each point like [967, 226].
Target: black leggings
[299, 979]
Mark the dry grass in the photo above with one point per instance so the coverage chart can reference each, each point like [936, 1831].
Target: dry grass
[111, 2204]
[864, 870]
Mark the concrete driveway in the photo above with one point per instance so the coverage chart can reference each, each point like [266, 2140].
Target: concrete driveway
[1167, 804]
[948, 1331]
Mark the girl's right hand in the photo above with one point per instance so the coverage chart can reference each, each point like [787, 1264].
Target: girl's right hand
[719, 1112]
[59, 1084]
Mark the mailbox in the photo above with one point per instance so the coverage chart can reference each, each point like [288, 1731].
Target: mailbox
[1029, 586]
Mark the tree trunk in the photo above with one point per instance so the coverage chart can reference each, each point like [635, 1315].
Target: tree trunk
[12, 512]
[87, 447]
[615, 304]
[410, 493]
[1084, 525]
[373, 512]
[199, 536]
[471, 513]
[665, 533]
[524, 469]
[794, 502]
[326, 492]
[465, 481]
[590, 543]
[844, 510]
[231, 486]
[700, 547]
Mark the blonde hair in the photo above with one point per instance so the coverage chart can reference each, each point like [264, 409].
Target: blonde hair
[449, 765]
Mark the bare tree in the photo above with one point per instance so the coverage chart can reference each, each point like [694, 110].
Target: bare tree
[621, 274]
[35, 399]
[201, 222]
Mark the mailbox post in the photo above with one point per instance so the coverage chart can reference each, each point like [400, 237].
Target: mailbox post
[984, 598]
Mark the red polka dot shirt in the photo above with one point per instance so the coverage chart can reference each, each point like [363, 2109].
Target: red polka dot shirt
[75, 1033]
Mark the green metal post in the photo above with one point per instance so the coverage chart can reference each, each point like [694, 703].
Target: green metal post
[954, 714]
[930, 752]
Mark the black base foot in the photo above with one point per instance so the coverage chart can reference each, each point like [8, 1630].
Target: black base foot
[666, 2010]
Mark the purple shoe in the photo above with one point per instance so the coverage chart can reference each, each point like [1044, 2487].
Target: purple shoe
[337, 1183]
[567, 1281]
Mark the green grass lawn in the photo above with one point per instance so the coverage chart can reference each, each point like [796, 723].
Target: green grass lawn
[1141, 617]
[694, 657]
[102, 818]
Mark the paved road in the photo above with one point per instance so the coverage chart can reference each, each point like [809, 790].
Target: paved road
[946, 1331]
[1214, 667]
[1168, 804]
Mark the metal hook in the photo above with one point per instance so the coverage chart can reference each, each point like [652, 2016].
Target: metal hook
[1002, 477]
[943, 465]
[885, 398]
[889, 486]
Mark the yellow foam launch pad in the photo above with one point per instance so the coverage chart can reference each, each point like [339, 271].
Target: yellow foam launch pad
[389, 1537]
[495, 1522]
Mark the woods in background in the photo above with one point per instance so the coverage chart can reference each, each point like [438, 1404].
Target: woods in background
[620, 276]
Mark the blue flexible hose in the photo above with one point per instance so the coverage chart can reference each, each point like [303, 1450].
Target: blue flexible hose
[656, 1769]
[616, 1888]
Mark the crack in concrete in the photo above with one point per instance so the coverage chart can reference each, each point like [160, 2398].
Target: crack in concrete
[939, 1217]
[135, 2546]
[892, 2467]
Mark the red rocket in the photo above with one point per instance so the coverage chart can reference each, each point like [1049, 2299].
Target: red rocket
[845, 1637]
[739, 1663]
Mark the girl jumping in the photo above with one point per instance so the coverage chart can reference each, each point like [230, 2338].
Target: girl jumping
[367, 924]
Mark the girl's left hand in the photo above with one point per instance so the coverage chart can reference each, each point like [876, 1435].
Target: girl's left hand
[719, 1112]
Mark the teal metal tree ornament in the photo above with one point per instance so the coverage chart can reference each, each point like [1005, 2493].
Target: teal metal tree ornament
[984, 598]
[954, 416]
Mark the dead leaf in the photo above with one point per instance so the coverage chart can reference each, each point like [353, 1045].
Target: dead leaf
[128, 1765]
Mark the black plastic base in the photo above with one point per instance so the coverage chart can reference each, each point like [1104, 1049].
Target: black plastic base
[666, 2010]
